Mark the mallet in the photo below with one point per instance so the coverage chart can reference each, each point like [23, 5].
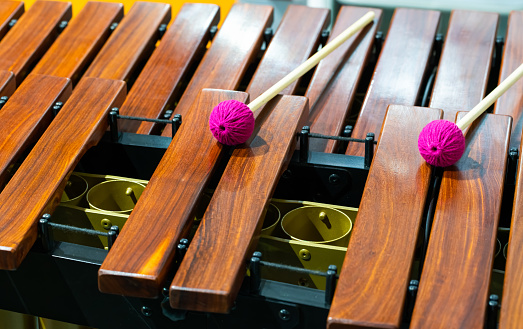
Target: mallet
[441, 143]
[232, 122]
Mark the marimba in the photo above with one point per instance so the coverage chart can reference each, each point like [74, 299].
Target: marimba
[414, 224]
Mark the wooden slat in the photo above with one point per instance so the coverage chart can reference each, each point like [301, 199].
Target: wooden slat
[7, 83]
[399, 71]
[333, 85]
[132, 41]
[142, 255]
[292, 44]
[233, 49]
[373, 280]
[80, 41]
[160, 81]
[125, 281]
[31, 36]
[454, 284]
[276, 63]
[511, 103]
[308, 39]
[27, 114]
[511, 315]
[36, 187]
[232, 222]
[9, 10]
[464, 66]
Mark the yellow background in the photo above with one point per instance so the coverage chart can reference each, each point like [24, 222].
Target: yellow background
[225, 5]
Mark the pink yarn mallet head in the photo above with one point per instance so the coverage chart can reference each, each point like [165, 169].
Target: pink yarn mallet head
[231, 122]
[441, 143]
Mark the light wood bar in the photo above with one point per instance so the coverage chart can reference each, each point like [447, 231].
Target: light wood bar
[373, 280]
[31, 36]
[398, 75]
[37, 185]
[232, 222]
[333, 86]
[456, 274]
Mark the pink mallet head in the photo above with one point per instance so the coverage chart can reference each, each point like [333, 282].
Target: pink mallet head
[231, 122]
[441, 143]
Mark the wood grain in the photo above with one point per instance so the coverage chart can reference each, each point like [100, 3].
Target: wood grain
[138, 263]
[230, 228]
[292, 44]
[235, 46]
[511, 315]
[464, 66]
[37, 186]
[9, 10]
[333, 85]
[28, 40]
[27, 114]
[455, 280]
[283, 35]
[511, 103]
[78, 44]
[161, 79]
[132, 41]
[373, 280]
[7, 83]
[399, 72]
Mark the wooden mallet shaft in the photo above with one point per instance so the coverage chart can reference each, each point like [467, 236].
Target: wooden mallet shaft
[311, 62]
[490, 98]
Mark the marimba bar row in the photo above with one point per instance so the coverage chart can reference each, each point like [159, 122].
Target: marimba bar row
[86, 66]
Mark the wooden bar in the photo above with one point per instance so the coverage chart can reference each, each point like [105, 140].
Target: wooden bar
[511, 315]
[31, 36]
[399, 72]
[78, 44]
[303, 39]
[373, 280]
[37, 186]
[333, 85]
[232, 222]
[27, 114]
[160, 81]
[464, 66]
[138, 262]
[235, 46]
[115, 276]
[511, 102]
[274, 66]
[9, 10]
[131, 43]
[7, 83]
[454, 284]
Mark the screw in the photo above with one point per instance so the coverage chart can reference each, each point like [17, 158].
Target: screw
[334, 179]
[287, 174]
[285, 315]
[106, 223]
[62, 25]
[167, 114]
[305, 254]
[147, 311]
